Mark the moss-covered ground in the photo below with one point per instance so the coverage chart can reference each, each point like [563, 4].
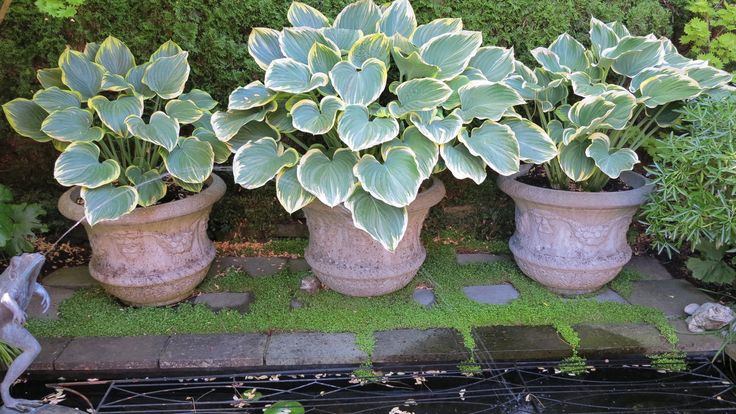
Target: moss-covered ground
[91, 312]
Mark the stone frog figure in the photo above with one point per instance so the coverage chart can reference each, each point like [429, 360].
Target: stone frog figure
[18, 283]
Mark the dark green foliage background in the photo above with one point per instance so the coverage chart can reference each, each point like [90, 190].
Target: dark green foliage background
[216, 32]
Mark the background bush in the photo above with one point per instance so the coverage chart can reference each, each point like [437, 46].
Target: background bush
[215, 33]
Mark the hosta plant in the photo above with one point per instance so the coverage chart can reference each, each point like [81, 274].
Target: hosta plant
[600, 104]
[359, 110]
[125, 129]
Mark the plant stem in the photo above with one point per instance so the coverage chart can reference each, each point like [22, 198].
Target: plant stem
[4, 9]
[296, 141]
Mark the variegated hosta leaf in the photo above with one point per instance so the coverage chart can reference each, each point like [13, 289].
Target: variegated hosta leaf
[628, 44]
[549, 60]
[451, 52]
[252, 131]
[343, 38]
[190, 161]
[322, 59]
[115, 56]
[135, 78]
[462, 164]
[496, 145]
[376, 46]
[437, 27]
[79, 74]
[306, 116]
[358, 131]
[708, 76]
[167, 49]
[570, 52]
[26, 117]
[645, 74]
[398, 18]
[330, 180]
[202, 99]
[361, 15]
[161, 129]
[259, 161]
[191, 187]
[296, 42]
[633, 62]
[72, 125]
[288, 75]
[304, 15]
[290, 192]
[50, 77]
[280, 119]
[221, 149]
[115, 83]
[185, 112]
[611, 163]
[53, 99]
[90, 50]
[395, 182]
[590, 112]
[426, 151]
[535, 145]
[359, 85]
[438, 129]
[583, 85]
[496, 63]
[421, 94]
[114, 113]
[555, 130]
[108, 202]
[80, 165]
[573, 161]
[412, 66]
[167, 75]
[625, 103]
[666, 88]
[487, 100]
[148, 184]
[250, 96]
[601, 36]
[385, 223]
[227, 124]
[264, 46]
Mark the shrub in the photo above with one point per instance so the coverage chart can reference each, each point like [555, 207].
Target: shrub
[695, 197]
[18, 222]
[711, 33]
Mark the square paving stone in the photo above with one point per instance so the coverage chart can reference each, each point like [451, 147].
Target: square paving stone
[500, 294]
[256, 266]
[669, 296]
[76, 277]
[214, 351]
[298, 265]
[414, 345]
[57, 294]
[239, 301]
[313, 348]
[519, 343]
[696, 342]
[470, 258]
[603, 341]
[649, 268]
[605, 295]
[51, 348]
[111, 353]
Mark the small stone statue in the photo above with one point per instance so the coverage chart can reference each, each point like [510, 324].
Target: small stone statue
[17, 285]
[708, 316]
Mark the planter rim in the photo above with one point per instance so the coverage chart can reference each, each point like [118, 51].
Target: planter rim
[425, 199]
[582, 200]
[214, 190]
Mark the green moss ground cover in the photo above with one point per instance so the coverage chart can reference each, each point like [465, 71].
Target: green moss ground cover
[91, 312]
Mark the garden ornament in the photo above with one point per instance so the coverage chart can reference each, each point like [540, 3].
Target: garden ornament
[17, 286]
[708, 316]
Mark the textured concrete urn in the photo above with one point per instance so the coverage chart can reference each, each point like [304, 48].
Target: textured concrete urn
[349, 261]
[155, 255]
[572, 242]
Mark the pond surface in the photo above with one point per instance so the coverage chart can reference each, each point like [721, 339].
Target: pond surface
[528, 387]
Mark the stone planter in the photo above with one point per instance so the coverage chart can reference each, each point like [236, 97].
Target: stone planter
[349, 261]
[155, 255]
[572, 242]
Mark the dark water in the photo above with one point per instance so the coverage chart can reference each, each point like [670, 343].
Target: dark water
[528, 387]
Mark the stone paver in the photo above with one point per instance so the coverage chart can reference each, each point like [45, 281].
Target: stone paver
[214, 351]
[603, 341]
[298, 265]
[51, 348]
[413, 345]
[500, 294]
[424, 297]
[76, 277]
[313, 348]
[519, 342]
[470, 258]
[111, 353]
[239, 301]
[696, 342]
[291, 230]
[649, 268]
[669, 296]
[257, 266]
[605, 295]
[57, 294]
